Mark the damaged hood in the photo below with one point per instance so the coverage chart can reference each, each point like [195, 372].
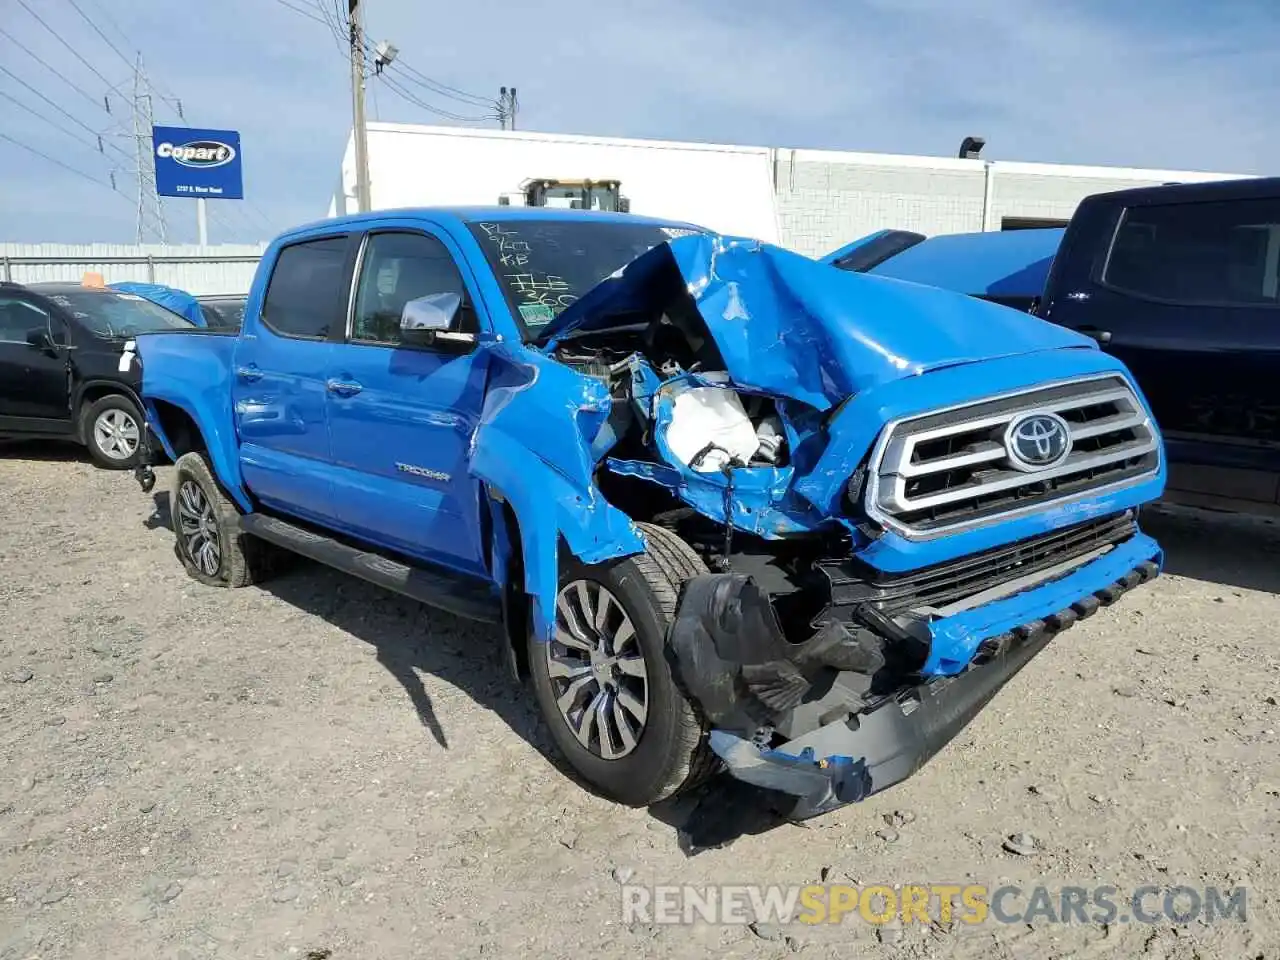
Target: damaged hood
[793, 327]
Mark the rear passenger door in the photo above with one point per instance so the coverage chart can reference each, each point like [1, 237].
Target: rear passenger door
[401, 417]
[279, 388]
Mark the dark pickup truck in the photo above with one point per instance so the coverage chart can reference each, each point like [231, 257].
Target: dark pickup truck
[1180, 282]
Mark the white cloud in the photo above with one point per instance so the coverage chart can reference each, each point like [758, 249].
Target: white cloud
[1178, 85]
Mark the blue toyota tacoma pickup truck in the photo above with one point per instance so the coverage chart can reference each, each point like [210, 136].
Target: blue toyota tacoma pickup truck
[735, 508]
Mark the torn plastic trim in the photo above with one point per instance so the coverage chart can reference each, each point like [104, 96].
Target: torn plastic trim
[866, 753]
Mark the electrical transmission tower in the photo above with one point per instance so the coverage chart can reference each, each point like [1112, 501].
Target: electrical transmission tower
[149, 202]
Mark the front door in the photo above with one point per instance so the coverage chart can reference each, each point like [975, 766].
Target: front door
[34, 393]
[401, 417]
[278, 385]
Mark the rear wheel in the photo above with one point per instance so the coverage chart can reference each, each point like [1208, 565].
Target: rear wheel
[604, 683]
[206, 523]
[113, 432]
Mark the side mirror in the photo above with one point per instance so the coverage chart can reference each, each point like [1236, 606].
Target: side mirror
[428, 321]
[39, 338]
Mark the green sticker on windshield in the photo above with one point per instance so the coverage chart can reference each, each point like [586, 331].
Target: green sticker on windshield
[536, 314]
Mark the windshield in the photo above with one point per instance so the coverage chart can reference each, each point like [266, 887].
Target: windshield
[545, 265]
[111, 314]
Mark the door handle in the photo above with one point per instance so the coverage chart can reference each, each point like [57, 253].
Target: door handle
[249, 373]
[1102, 336]
[344, 388]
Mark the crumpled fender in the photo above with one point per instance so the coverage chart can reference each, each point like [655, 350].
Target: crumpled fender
[192, 371]
[532, 447]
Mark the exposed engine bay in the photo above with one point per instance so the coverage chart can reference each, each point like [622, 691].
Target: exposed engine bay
[686, 448]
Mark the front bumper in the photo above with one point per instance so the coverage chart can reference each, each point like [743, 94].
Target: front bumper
[848, 759]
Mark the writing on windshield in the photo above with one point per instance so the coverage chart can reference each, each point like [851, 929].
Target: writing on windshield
[539, 295]
[544, 266]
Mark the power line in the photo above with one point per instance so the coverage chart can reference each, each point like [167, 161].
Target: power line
[443, 89]
[333, 18]
[79, 123]
[99, 104]
[74, 52]
[165, 94]
[418, 102]
[53, 123]
[59, 163]
[96, 29]
[305, 13]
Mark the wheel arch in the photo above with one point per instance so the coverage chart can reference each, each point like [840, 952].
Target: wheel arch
[180, 431]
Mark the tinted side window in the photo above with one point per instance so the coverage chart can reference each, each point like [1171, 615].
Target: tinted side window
[1223, 252]
[306, 295]
[398, 267]
[17, 318]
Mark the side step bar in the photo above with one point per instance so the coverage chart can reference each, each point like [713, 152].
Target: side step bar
[450, 592]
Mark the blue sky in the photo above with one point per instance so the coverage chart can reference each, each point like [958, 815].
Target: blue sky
[1180, 84]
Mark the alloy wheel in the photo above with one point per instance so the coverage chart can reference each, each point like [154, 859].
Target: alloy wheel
[597, 670]
[198, 528]
[116, 433]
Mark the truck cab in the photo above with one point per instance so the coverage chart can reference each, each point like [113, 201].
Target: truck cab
[733, 509]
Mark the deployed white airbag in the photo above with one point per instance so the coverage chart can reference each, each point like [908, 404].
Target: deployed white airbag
[710, 416]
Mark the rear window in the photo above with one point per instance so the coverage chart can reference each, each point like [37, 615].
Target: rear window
[223, 314]
[1218, 253]
[305, 297]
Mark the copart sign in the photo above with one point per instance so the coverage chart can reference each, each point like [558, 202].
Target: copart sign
[197, 163]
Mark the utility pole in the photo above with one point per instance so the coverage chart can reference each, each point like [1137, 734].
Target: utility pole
[507, 108]
[359, 134]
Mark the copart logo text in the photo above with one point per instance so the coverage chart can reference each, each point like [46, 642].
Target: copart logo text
[200, 154]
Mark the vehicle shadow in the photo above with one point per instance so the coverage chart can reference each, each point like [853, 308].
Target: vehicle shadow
[411, 639]
[45, 451]
[1229, 549]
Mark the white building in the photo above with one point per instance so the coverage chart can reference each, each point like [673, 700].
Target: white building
[810, 200]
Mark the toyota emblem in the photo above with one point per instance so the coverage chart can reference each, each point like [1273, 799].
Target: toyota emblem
[1037, 441]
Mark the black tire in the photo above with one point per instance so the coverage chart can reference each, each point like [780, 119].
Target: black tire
[118, 407]
[671, 752]
[241, 558]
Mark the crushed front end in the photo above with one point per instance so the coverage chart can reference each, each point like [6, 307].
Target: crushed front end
[901, 496]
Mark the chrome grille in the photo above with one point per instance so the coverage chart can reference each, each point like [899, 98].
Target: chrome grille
[940, 471]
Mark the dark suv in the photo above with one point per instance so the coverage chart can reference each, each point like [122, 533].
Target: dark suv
[1183, 284]
[66, 368]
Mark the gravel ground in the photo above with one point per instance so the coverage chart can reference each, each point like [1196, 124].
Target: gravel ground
[315, 768]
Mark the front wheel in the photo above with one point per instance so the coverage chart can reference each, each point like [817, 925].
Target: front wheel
[206, 523]
[603, 681]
